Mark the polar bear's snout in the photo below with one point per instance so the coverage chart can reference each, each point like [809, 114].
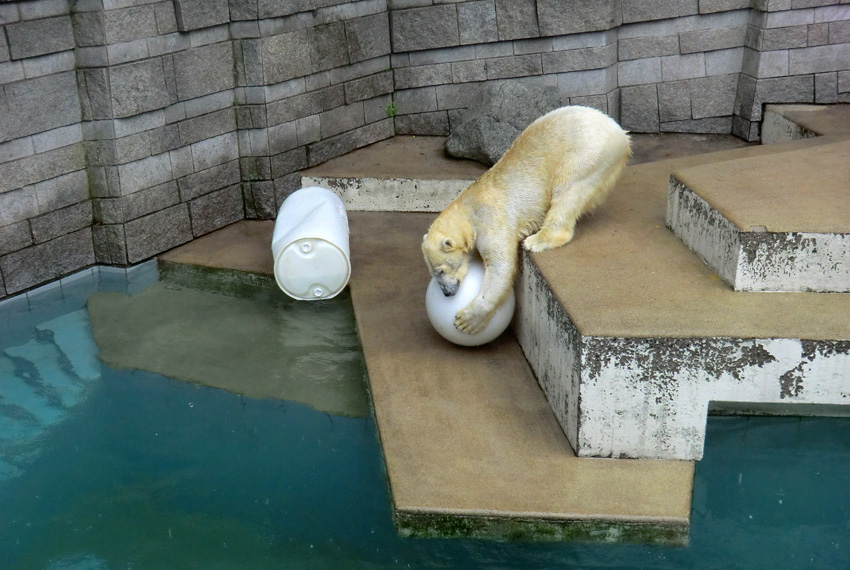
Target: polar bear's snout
[447, 285]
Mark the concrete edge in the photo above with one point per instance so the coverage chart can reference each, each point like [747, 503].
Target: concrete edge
[391, 194]
[532, 527]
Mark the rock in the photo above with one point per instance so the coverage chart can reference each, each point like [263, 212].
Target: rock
[487, 131]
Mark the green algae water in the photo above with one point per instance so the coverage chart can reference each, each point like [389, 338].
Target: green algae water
[200, 420]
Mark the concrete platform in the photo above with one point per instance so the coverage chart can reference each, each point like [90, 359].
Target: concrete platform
[770, 223]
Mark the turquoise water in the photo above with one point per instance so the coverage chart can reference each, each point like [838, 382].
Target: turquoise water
[105, 468]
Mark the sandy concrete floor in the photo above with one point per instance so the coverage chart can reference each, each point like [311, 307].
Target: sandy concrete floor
[467, 432]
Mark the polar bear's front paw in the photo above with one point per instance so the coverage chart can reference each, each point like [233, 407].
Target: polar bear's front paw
[544, 239]
[471, 321]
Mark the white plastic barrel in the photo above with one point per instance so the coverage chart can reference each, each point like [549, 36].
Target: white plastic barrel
[310, 245]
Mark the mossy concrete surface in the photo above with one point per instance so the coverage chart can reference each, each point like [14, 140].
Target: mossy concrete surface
[256, 342]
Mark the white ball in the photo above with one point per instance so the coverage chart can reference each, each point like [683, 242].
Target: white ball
[442, 310]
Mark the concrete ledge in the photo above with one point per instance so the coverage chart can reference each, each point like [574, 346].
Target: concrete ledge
[773, 223]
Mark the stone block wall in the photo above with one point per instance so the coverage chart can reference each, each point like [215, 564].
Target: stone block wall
[128, 127]
[699, 66]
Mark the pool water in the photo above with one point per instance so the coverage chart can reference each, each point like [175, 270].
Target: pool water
[106, 462]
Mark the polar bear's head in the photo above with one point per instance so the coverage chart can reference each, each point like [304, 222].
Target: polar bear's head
[448, 248]
[446, 259]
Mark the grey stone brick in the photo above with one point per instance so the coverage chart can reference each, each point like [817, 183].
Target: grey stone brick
[425, 28]
[151, 171]
[244, 9]
[599, 102]
[283, 137]
[516, 66]
[286, 185]
[217, 150]
[40, 37]
[45, 262]
[49, 64]
[18, 205]
[457, 96]
[137, 87]
[832, 13]
[328, 46]
[61, 222]
[209, 180]
[376, 109]
[712, 39]
[559, 17]
[308, 129]
[368, 37]
[40, 104]
[326, 149]
[789, 18]
[110, 244]
[442, 55]
[843, 81]
[676, 67]
[108, 210]
[157, 232]
[819, 59]
[516, 19]
[464, 71]
[817, 34]
[423, 75]
[770, 64]
[216, 210]
[794, 89]
[31, 169]
[477, 22]
[590, 82]
[15, 149]
[4, 49]
[168, 43]
[688, 7]
[293, 108]
[14, 237]
[128, 24]
[369, 87]
[131, 148]
[642, 11]
[286, 56]
[651, 46]
[136, 124]
[342, 119]
[197, 14]
[97, 86]
[166, 19]
[359, 69]
[204, 70]
[714, 126]
[256, 168]
[826, 88]
[724, 61]
[426, 124]
[839, 32]
[710, 6]
[533, 45]
[150, 200]
[62, 191]
[11, 71]
[55, 138]
[420, 100]
[713, 96]
[259, 200]
[639, 71]
[127, 51]
[288, 162]
[579, 59]
[784, 38]
[639, 109]
[207, 126]
[674, 101]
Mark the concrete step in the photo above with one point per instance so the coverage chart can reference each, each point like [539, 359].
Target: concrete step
[779, 222]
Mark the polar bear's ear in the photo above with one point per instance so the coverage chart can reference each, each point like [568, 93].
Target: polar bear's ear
[447, 245]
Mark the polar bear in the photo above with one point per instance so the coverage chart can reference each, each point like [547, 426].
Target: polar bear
[560, 167]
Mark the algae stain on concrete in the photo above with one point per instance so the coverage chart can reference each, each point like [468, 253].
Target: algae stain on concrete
[247, 340]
